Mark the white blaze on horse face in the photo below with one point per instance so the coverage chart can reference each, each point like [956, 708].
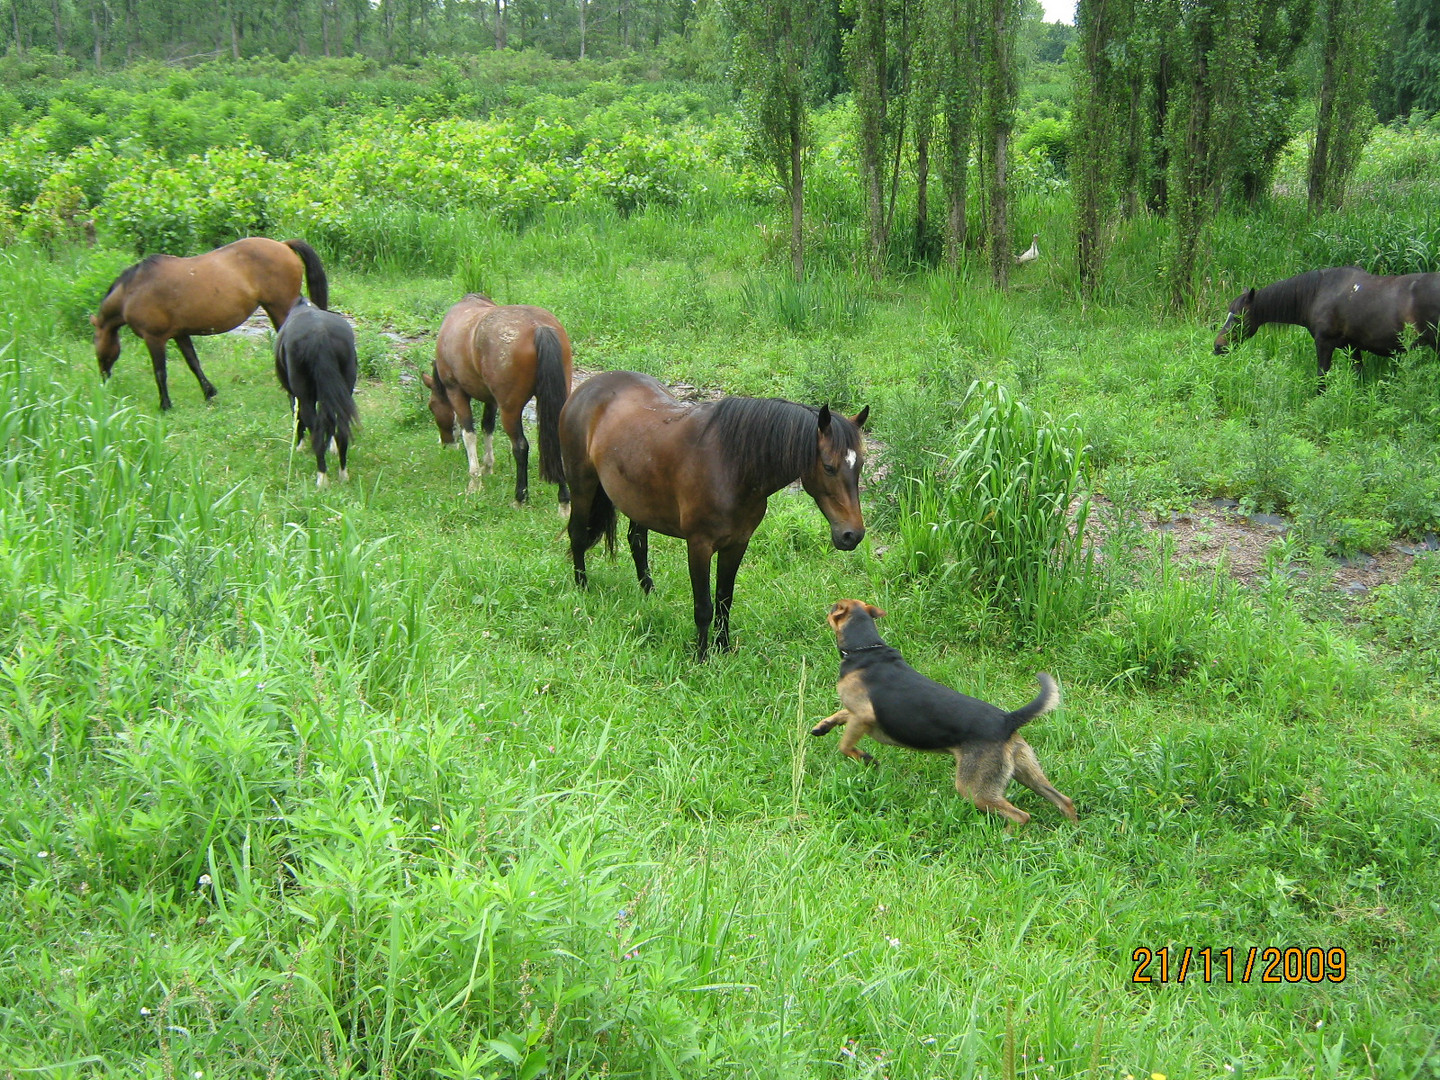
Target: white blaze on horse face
[850, 458]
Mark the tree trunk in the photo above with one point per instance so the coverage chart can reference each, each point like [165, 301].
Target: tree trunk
[499, 24]
[59, 28]
[96, 27]
[583, 6]
[797, 191]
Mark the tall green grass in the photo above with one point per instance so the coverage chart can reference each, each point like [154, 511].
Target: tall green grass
[1003, 515]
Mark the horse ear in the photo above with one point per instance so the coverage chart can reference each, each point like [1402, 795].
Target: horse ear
[1249, 297]
[859, 418]
[427, 380]
[824, 417]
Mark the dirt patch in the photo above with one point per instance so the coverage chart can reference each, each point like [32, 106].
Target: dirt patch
[1217, 530]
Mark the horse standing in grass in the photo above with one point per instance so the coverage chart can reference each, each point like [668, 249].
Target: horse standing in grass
[1343, 308]
[163, 297]
[502, 355]
[703, 473]
[316, 364]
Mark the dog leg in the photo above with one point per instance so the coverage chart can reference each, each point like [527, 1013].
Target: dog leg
[981, 775]
[831, 722]
[856, 729]
[1029, 773]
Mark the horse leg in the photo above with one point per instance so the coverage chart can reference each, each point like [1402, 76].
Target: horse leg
[727, 566]
[640, 552]
[514, 426]
[157, 361]
[465, 417]
[487, 428]
[1324, 352]
[187, 350]
[700, 553]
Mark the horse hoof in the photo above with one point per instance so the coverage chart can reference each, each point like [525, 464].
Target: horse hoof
[321, 481]
[344, 476]
[565, 511]
[517, 505]
[474, 486]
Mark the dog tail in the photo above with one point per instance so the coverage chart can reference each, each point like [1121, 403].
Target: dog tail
[1047, 699]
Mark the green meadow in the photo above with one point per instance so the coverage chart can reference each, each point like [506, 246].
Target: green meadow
[356, 783]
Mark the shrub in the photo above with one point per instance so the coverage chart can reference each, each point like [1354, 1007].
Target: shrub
[1005, 515]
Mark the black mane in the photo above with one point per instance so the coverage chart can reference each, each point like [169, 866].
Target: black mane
[1289, 301]
[130, 272]
[768, 436]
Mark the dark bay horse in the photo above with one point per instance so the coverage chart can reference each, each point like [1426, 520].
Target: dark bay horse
[316, 364]
[703, 473]
[163, 297]
[502, 355]
[1343, 307]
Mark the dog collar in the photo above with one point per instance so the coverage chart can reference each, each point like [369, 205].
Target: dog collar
[862, 648]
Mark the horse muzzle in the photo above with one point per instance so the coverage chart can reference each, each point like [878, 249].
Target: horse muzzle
[1222, 346]
[845, 538]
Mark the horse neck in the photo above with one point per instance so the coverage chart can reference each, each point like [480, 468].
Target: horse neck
[768, 458]
[1285, 301]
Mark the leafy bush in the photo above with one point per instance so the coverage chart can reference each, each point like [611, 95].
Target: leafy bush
[1005, 515]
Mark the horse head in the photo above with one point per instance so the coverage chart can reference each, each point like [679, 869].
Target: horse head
[1236, 320]
[107, 344]
[440, 407]
[833, 481]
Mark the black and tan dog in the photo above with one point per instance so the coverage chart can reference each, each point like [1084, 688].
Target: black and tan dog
[890, 701]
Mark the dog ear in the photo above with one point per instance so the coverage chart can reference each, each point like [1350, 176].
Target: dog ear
[874, 612]
[860, 417]
[95, 321]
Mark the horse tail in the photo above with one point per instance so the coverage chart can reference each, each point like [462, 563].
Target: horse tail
[550, 395]
[601, 521]
[334, 404]
[315, 282]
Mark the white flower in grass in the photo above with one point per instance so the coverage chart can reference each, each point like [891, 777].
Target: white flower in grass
[205, 879]
[893, 942]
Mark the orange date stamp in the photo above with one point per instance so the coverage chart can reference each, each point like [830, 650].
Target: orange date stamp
[1266, 965]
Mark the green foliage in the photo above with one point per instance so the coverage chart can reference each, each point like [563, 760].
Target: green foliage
[1004, 515]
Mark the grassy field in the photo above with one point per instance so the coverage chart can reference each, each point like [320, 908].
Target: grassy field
[356, 783]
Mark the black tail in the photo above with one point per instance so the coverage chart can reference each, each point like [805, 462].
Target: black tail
[601, 521]
[315, 282]
[1048, 698]
[550, 395]
[335, 410]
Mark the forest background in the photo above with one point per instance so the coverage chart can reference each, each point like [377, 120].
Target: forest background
[355, 783]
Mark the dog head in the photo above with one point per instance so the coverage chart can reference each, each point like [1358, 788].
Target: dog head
[854, 623]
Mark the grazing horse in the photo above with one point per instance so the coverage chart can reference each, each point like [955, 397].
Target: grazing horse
[163, 297]
[502, 354]
[703, 473]
[1342, 307]
[316, 364]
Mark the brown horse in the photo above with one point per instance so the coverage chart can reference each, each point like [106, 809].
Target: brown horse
[163, 297]
[1343, 307]
[502, 354]
[703, 473]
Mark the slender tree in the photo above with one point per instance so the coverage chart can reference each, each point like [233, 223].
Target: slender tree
[999, 28]
[774, 53]
[1101, 93]
[952, 30]
[1349, 32]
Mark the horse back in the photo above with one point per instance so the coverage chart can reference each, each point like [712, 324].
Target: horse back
[1370, 311]
[648, 450]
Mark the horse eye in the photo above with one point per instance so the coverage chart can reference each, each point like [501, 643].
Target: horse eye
[830, 470]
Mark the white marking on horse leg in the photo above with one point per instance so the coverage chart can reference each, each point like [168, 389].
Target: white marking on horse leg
[334, 448]
[470, 454]
[489, 452]
[344, 476]
[850, 458]
[320, 480]
[564, 511]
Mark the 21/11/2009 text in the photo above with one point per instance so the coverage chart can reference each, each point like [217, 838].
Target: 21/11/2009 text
[1290, 965]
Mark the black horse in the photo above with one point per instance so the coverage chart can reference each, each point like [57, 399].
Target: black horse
[1342, 307]
[316, 364]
